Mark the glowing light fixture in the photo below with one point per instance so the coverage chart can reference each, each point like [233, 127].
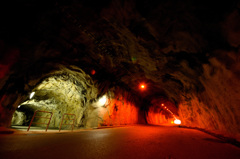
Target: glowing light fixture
[31, 95]
[93, 72]
[19, 106]
[103, 100]
[142, 86]
[177, 121]
[162, 104]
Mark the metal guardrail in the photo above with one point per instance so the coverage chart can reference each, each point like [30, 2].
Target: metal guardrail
[34, 116]
[68, 119]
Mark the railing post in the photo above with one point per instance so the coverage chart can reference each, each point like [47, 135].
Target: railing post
[73, 121]
[31, 120]
[34, 116]
[61, 122]
[49, 120]
[67, 119]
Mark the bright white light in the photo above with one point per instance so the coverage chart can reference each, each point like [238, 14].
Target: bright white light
[19, 106]
[31, 95]
[103, 100]
[177, 121]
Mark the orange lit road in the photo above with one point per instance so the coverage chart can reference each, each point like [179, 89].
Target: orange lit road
[133, 142]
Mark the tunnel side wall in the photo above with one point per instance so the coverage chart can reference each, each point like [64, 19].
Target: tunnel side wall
[217, 107]
[115, 112]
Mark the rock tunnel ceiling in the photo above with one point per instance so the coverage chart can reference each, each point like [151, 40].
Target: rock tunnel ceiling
[185, 52]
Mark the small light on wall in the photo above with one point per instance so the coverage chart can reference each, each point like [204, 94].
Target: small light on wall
[93, 72]
[31, 95]
[103, 100]
[142, 86]
[19, 106]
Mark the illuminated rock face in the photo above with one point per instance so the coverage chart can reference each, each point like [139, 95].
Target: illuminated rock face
[217, 107]
[186, 52]
[161, 111]
[116, 111]
[65, 92]
[157, 116]
[19, 118]
[74, 94]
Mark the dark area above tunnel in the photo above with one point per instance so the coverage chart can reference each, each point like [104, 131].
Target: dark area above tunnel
[177, 48]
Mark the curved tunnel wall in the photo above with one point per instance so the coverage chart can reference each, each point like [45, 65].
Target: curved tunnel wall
[161, 111]
[217, 107]
[71, 91]
[186, 52]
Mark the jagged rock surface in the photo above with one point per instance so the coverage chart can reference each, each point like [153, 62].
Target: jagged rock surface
[185, 51]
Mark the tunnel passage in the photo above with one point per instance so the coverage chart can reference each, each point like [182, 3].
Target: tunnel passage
[71, 91]
[162, 111]
[65, 92]
[186, 53]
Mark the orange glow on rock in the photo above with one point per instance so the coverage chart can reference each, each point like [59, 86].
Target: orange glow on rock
[156, 117]
[118, 112]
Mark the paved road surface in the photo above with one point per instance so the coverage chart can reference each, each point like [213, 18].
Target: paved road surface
[133, 142]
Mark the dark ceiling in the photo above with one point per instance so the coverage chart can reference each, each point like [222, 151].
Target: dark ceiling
[163, 44]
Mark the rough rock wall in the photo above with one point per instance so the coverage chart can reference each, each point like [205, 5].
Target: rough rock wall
[187, 51]
[66, 91]
[156, 116]
[216, 108]
[116, 111]
[161, 111]
[73, 92]
[6, 108]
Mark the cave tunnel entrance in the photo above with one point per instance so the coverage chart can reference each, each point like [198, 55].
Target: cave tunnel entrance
[74, 92]
[71, 90]
[161, 111]
[58, 94]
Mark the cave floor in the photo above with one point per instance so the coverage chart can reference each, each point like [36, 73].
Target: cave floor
[139, 141]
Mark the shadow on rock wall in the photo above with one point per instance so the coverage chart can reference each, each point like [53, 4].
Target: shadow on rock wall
[216, 108]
